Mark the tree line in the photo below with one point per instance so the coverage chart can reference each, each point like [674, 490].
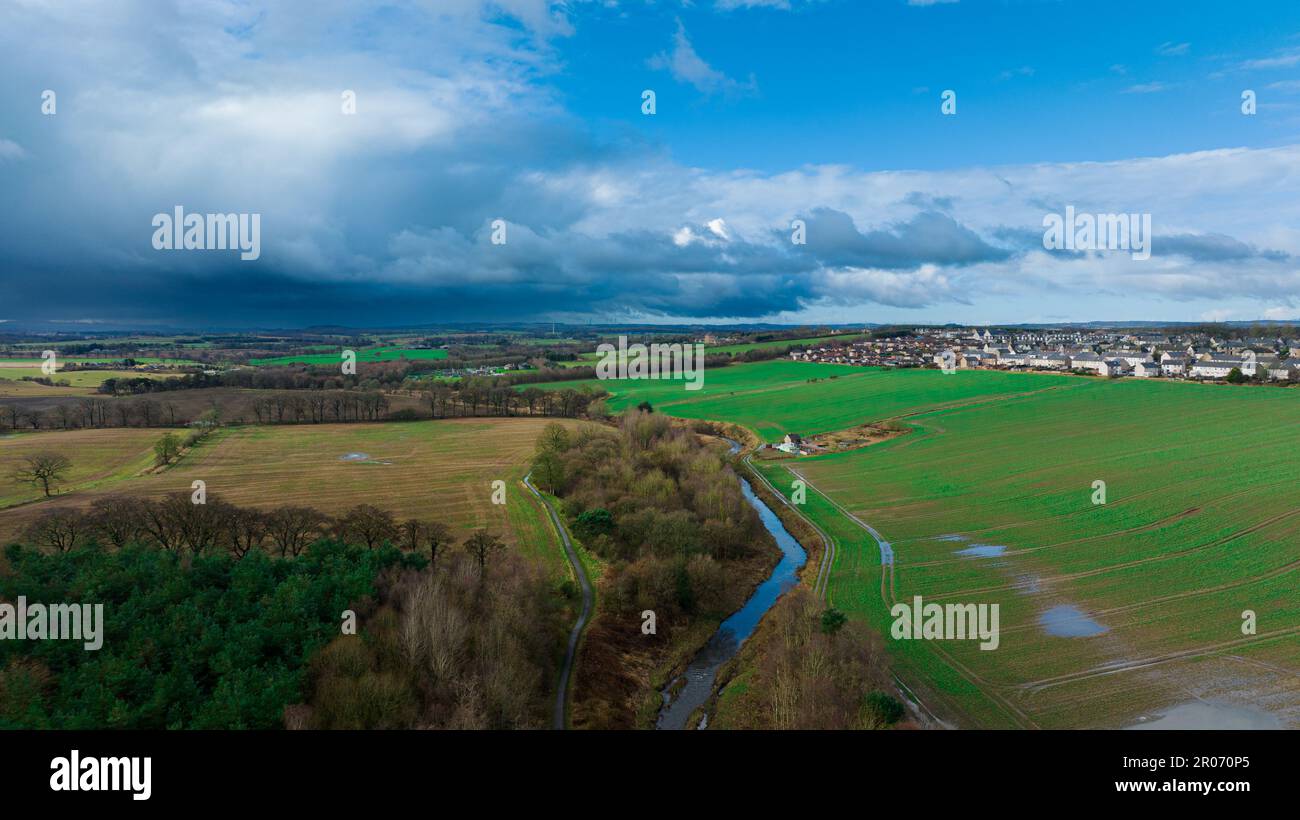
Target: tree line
[178, 525]
[307, 407]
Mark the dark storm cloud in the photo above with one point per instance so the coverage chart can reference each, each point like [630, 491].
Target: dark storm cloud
[385, 216]
[1194, 247]
[927, 238]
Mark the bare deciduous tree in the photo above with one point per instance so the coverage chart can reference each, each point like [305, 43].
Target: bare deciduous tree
[293, 528]
[162, 523]
[413, 534]
[438, 535]
[60, 530]
[118, 519]
[246, 530]
[482, 544]
[367, 524]
[43, 470]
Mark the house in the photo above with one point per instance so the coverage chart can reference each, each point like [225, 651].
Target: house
[1265, 360]
[1174, 365]
[1132, 358]
[1148, 370]
[1214, 368]
[1286, 371]
[1113, 367]
[1050, 361]
[792, 443]
[1087, 361]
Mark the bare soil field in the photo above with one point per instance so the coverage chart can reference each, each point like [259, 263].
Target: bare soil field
[439, 470]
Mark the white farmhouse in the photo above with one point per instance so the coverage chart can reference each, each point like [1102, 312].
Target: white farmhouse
[792, 443]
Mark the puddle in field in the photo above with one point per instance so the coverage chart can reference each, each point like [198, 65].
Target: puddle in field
[1067, 621]
[949, 538]
[983, 550]
[1028, 584]
[361, 458]
[1209, 715]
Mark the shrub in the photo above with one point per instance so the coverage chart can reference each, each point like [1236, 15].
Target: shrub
[882, 708]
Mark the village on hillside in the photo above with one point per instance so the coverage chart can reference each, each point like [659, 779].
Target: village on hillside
[1192, 356]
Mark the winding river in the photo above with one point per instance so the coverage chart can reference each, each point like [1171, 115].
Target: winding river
[723, 645]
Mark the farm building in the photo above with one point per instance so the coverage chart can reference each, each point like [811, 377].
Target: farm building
[792, 443]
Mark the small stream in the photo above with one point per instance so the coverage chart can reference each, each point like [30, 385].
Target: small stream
[724, 644]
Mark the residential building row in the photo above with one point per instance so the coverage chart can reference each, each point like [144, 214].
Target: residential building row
[1106, 353]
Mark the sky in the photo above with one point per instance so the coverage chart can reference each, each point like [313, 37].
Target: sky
[805, 161]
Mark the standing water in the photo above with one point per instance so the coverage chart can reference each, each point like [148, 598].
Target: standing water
[724, 644]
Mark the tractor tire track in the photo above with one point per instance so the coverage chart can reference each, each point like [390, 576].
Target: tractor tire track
[1145, 663]
[1017, 715]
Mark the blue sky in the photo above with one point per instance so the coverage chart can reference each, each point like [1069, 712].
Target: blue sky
[767, 112]
[859, 82]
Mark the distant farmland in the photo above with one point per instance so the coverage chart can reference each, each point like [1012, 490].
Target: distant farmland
[375, 354]
[809, 341]
[81, 378]
[32, 362]
[439, 470]
[776, 397]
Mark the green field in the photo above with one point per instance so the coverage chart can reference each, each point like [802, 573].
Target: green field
[776, 397]
[589, 359]
[374, 354]
[1201, 523]
[810, 340]
[80, 378]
